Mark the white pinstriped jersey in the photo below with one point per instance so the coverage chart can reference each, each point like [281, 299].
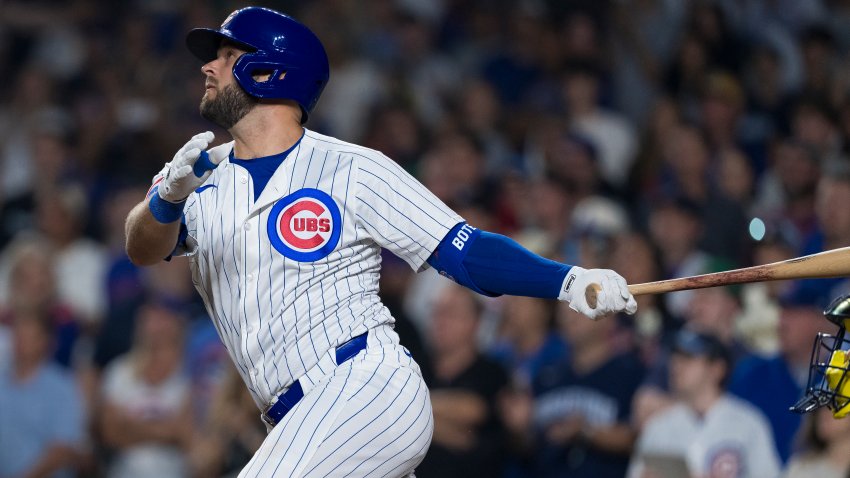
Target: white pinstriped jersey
[290, 276]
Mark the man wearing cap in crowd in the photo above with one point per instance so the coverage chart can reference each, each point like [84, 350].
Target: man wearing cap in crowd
[709, 432]
[776, 382]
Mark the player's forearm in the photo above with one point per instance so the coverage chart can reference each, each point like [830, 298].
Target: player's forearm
[492, 264]
[148, 240]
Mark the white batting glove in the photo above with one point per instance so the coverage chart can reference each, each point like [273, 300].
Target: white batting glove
[191, 167]
[613, 295]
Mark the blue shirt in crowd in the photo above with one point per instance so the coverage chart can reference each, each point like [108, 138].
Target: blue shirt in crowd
[768, 384]
[35, 414]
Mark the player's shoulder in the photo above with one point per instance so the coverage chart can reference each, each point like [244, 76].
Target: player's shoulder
[353, 151]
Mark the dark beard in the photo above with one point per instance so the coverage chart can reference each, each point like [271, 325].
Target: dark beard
[230, 105]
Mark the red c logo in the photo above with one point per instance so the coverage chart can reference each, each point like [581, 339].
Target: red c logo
[309, 224]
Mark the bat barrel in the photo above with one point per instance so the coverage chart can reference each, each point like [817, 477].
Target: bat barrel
[823, 265]
[739, 276]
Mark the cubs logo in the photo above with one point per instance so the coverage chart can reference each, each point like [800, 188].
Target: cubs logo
[305, 226]
[725, 461]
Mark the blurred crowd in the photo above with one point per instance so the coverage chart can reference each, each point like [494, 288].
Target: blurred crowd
[637, 135]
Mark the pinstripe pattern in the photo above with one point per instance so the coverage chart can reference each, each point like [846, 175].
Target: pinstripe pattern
[281, 315]
[370, 417]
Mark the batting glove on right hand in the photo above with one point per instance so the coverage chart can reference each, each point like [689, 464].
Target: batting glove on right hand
[613, 293]
[191, 167]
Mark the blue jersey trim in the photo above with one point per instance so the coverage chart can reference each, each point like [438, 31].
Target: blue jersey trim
[261, 169]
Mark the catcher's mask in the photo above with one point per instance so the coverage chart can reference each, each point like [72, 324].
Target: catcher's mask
[829, 382]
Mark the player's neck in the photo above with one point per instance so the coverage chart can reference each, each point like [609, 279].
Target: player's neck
[265, 131]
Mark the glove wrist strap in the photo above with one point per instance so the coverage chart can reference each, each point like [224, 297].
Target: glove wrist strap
[569, 285]
[163, 211]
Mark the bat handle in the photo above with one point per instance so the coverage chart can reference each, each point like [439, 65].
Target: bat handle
[591, 293]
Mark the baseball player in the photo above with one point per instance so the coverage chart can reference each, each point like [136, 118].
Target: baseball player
[285, 226]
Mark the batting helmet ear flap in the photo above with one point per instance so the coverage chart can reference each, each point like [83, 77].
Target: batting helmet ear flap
[298, 84]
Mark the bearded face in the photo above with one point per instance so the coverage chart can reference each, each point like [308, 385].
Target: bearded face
[229, 106]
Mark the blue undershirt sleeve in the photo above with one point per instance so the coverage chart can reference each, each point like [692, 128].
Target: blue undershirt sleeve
[492, 265]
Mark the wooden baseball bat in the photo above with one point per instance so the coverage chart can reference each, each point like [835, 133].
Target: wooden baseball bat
[823, 265]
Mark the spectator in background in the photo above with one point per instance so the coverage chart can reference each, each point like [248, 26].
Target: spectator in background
[456, 166]
[684, 75]
[394, 282]
[146, 413]
[776, 382]
[32, 291]
[823, 447]
[396, 132]
[814, 122]
[786, 192]
[819, 58]
[690, 171]
[720, 111]
[168, 281]
[579, 418]
[710, 311]
[52, 159]
[611, 134]
[468, 436]
[757, 326]
[714, 433]
[347, 105]
[42, 419]
[645, 177]
[231, 432]
[832, 232]
[639, 260]
[547, 217]
[767, 79]
[483, 115]
[573, 159]
[30, 108]
[527, 342]
[80, 261]
[125, 288]
[735, 177]
[675, 227]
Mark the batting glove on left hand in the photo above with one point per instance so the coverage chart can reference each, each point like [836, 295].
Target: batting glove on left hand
[191, 167]
[613, 292]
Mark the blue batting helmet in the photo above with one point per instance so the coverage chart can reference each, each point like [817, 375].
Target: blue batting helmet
[278, 45]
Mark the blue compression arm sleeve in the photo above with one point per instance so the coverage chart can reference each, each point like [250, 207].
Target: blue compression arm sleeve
[492, 264]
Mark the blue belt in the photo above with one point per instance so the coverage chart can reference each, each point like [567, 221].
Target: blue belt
[276, 411]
